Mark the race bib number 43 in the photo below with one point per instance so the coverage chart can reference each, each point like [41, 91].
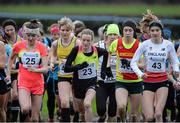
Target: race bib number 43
[88, 72]
[156, 66]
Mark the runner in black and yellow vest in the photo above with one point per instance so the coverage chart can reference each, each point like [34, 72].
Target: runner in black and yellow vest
[128, 82]
[60, 50]
[13, 103]
[83, 62]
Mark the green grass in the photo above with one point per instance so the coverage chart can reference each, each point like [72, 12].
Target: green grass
[44, 112]
[135, 10]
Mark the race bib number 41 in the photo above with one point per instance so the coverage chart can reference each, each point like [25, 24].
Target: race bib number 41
[88, 72]
[124, 66]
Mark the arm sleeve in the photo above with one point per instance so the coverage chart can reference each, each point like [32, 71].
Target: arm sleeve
[104, 53]
[135, 60]
[174, 58]
[113, 46]
[71, 57]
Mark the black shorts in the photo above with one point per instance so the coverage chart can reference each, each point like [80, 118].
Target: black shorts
[154, 86]
[5, 86]
[80, 88]
[132, 88]
[14, 77]
[61, 79]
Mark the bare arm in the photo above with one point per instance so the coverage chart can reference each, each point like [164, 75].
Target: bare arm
[11, 62]
[54, 52]
[2, 56]
[44, 67]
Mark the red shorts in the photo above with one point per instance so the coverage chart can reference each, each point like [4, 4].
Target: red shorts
[32, 87]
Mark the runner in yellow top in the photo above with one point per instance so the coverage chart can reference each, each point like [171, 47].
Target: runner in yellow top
[83, 62]
[128, 82]
[60, 50]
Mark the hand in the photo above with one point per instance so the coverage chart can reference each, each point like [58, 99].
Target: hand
[176, 74]
[176, 85]
[7, 78]
[103, 74]
[51, 67]
[63, 61]
[81, 66]
[144, 76]
[31, 69]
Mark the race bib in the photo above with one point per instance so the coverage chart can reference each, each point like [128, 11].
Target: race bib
[30, 59]
[124, 66]
[61, 69]
[156, 66]
[110, 80]
[113, 61]
[88, 72]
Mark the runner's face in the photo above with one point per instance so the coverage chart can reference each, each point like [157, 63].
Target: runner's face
[55, 35]
[65, 32]
[112, 37]
[86, 41]
[31, 38]
[128, 32]
[155, 33]
[145, 27]
[10, 30]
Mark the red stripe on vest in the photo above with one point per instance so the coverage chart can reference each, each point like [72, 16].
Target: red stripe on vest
[127, 53]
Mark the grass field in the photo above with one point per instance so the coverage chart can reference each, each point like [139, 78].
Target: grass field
[135, 10]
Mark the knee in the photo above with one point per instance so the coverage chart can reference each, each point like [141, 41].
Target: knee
[25, 110]
[87, 105]
[158, 115]
[65, 103]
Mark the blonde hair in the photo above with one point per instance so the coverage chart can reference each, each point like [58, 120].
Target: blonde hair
[66, 21]
[147, 18]
[88, 32]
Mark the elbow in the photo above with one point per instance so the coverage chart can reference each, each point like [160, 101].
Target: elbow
[2, 66]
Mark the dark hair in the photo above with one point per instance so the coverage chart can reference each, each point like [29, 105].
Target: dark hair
[79, 26]
[105, 28]
[9, 22]
[5, 37]
[33, 24]
[156, 23]
[131, 24]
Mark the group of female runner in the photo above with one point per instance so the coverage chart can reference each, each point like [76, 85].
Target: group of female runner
[76, 70]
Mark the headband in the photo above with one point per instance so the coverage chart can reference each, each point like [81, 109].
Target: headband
[32, 31]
